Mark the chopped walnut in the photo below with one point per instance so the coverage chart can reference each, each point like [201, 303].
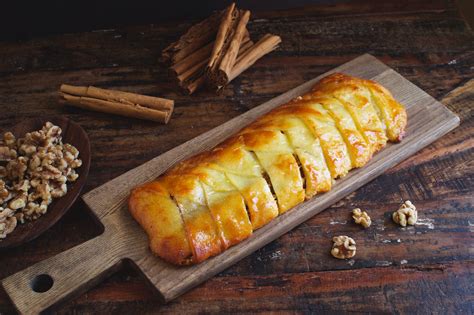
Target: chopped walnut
[58, 189]
[361, 217]
[43, 192]
[34, 170]
[23, 186]
[47, 159]
[61, 165]
[16, 168]
[7, 154]
[34, 210]
[34, 163]
[406, 214]
[76, 163]
[50, 172]
[4, 193]
[61, 179]
[18, 202]
[35, 182]
[71, 151]
[344, 247]
[27, 149]
[72, 176]
[52, 132]
[7, 226]
[8, 222]
[5, 213]
[20, 217]
[9, 139]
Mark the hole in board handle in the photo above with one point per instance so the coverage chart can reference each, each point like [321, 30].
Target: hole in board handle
[41, 283]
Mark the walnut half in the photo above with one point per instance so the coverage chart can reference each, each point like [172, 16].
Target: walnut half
[361, 217]
[406, 214]
[344, 247]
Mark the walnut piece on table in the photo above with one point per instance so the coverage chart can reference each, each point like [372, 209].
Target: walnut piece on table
[406, 214]
[34, 170]
[344, 247]
[361, 217]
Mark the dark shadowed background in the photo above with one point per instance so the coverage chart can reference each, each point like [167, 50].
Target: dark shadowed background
[25, 19]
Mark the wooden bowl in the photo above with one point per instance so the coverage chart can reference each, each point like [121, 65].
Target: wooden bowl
[74, 134]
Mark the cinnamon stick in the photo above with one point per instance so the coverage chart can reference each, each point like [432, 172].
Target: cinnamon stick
[224, 28]
[195, 77]
[118, 102]
[191, 86]
[230, 55]
[193, 59]
[244, 47]
[228, 40]
[201, 60]
[119, 96]
[264, 46]
[196, 37]
[190, 73]
[200, 55]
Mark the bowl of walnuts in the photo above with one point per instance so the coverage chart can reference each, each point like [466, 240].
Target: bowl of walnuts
[44, 163]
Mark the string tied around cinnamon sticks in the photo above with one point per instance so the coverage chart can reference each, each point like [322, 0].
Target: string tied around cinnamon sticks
[117, 102]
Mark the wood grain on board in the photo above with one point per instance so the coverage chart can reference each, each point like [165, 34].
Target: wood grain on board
[80, 267]
[426, 268]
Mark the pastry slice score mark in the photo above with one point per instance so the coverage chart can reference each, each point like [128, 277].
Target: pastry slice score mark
[311, 157]
[202, 230]
[229, 212]
[356, 99]
[244, 172]
[225, 203]
[276, 158]
[306, 151]
[390, 111]
[357, 146]
[153, 208]
[323, 127]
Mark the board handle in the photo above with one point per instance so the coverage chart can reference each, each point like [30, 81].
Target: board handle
[63, 276]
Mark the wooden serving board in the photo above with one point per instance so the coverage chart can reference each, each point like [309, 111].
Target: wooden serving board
[79, 268]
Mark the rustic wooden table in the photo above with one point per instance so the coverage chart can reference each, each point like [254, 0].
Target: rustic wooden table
[424, 269]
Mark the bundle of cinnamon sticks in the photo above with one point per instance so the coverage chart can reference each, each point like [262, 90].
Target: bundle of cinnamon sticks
[216, 50]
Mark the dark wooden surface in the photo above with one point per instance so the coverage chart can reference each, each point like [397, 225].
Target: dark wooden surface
[428, 268]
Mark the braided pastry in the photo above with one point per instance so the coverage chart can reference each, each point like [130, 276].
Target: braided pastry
[216, 199]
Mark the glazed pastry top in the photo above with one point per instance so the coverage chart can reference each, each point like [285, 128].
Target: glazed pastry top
[216, 199]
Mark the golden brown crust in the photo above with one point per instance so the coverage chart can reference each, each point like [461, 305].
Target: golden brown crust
[153, 209]
[216, 199]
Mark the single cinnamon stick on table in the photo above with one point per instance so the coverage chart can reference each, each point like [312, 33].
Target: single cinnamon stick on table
[118, 102]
